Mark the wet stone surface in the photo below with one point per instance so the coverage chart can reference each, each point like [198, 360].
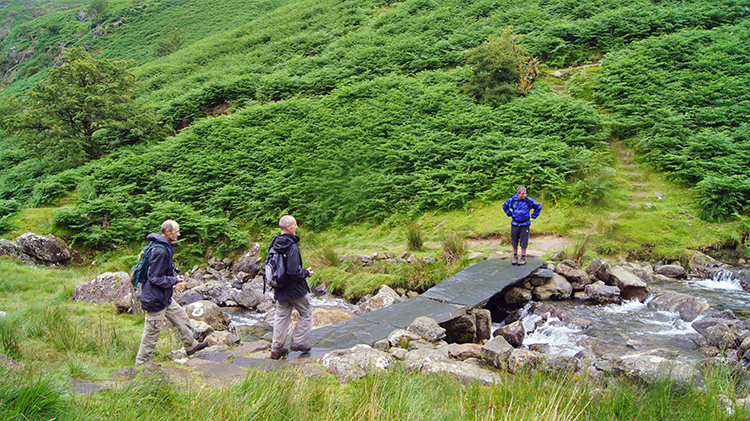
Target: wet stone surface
[470, 288]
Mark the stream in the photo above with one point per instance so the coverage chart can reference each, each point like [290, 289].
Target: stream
[625, 328]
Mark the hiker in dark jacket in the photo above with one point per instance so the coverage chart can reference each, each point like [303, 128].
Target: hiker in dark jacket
[292, 293]
[156, 298]
[519, 208]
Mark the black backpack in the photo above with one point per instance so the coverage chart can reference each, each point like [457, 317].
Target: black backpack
[274, 269]
[139, 271]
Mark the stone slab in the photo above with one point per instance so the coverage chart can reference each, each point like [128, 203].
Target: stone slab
[217, 357]
[375, 325]
[402, 314]
[219, 371]
[257, 363]
[475, 285]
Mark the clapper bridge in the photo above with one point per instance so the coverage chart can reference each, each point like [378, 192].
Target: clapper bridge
[469, 289]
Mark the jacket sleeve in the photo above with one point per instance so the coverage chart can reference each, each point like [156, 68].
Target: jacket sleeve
[506, 207]
[294, 264]
[160, 269]
[537, 208]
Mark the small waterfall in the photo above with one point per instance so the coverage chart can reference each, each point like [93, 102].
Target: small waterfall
[721, 279]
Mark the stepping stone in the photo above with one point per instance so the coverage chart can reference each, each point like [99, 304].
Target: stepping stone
[258, 363]
[83, 387]
[217, 357]
[219, 371]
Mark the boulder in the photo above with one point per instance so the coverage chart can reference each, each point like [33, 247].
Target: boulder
[415, 359]
[355, 363]
[461, 330]
[46, 248]
[602, 294]
[513, 333]
[495, 351]
[384, 298]
[484, 324]
[561, 363]
[630, 285]
[219, 292]
[703, 265]
[556, 288]
[249, 297]
[599, 269]
[401, 338]
[465, 372]
[208, 312]
[517, 297]
[250, 262]
[465, 351]
[671, 271]
[427, 328]
[9, 249]
[653, 369]
[201, 330]
[109, 287]
[578, 278]
[689, 307]
[522, 359]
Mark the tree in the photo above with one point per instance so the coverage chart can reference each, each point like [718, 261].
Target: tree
[502, 69]
[82, 97]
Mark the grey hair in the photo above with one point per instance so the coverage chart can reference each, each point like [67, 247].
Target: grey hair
[520, 189]
[168, 225]
[286, 220]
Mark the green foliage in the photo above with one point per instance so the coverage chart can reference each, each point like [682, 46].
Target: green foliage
[684, 99]
[7, 207]
[594, 190]
[97, 10]
[35, 398]
[81, 97]
[503, 69]
[172, 43]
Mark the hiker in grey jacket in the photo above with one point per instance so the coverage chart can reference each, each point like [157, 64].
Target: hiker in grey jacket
[519, 208]
[292, 293]
[156, 298]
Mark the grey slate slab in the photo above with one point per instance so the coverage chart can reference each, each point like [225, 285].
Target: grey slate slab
[402, 314]
[475, 285]
[470, 288]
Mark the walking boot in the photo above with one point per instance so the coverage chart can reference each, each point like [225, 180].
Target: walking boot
[522, 261]
[515, 260]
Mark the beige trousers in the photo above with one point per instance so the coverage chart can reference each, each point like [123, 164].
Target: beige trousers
[153, 325]
[284, 316]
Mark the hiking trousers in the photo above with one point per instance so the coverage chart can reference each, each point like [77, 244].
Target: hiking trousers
[284, 316]
[153, 325]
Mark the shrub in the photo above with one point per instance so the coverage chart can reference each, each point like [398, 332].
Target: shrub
[454, 247]
[414, 240]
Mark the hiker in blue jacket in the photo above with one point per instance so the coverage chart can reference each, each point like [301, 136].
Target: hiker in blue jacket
[156, 298]
[292, 293]
[519, 207]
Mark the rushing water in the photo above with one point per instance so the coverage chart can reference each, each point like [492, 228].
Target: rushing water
[624, 328]
[632, 325]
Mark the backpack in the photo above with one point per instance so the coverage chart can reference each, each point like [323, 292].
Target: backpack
[139, 271]
[274, 270]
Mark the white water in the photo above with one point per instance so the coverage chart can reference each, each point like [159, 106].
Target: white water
[632, 325]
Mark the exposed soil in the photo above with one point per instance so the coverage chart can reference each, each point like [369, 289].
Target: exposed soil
[539, 245]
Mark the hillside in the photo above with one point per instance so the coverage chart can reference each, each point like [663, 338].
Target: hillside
[356, 112]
